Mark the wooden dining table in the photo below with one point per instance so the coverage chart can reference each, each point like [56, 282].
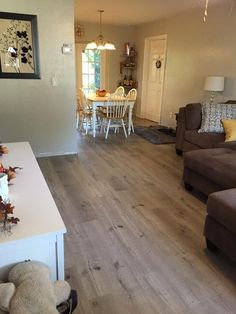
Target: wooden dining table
[98, 101]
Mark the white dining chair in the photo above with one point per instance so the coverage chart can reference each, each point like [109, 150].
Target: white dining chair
[79, 111]
[132, 95]
[115, 111]
[120, 90]
[83, 112]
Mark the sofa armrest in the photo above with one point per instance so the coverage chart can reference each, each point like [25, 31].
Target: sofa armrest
[193, 116]
[181, 127]
[189, 118]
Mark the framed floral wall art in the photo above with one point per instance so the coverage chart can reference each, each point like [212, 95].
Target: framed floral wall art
[19, 56]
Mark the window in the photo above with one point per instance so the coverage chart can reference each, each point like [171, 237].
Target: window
[91, 70]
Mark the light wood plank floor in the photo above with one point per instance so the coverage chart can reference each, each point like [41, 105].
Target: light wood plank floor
[135, 240]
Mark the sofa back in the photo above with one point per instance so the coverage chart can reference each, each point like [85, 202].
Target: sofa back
[193, 116]
[230, 102]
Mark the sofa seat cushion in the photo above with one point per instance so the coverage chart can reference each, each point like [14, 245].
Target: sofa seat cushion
[216, 164]
[203, 140]
[222, 207]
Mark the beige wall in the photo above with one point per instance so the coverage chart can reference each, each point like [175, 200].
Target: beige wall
[34, 110]
[119, 35]
[194, 51]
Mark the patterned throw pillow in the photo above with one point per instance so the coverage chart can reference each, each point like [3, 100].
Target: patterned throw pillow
[212, 114]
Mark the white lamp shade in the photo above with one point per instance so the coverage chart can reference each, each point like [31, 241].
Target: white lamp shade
[214, 83]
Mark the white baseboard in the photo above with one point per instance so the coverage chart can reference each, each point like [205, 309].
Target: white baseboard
[50, 154]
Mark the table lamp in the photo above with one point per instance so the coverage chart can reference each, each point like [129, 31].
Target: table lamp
[214, 84]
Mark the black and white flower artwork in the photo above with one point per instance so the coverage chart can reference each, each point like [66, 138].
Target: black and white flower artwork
[18, 46]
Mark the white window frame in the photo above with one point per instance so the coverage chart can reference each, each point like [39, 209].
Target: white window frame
[79, 48]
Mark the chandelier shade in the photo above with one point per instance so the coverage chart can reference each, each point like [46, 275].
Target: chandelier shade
[100, 43]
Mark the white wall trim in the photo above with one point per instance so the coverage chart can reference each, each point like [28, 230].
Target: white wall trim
[50, 154]
[103, 69]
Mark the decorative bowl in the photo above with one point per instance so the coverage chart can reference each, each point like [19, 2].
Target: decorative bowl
[101, 93]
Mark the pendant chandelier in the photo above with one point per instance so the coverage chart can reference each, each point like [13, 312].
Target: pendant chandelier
[100, 43]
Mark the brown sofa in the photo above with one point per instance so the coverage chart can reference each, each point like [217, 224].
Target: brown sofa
[187, 136]
[213, 172]
[210, 170]
[220, 223]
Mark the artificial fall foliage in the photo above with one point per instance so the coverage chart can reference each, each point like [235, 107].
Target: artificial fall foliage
[11, 171]
[3, 150]
[6, 209]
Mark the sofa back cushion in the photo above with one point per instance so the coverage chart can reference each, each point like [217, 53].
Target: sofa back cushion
[212, 114]
[193, 116]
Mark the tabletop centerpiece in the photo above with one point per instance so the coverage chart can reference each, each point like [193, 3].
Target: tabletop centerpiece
[101, 92]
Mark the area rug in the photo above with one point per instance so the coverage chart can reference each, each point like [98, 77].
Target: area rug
[156, 134]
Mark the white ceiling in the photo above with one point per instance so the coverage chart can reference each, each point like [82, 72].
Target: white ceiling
[132, 12]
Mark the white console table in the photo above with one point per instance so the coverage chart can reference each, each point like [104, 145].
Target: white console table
[39, 234]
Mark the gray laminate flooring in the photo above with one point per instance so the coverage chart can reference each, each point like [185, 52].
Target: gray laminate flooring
[134, 242]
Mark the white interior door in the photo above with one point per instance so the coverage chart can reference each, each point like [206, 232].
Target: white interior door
[154, 69]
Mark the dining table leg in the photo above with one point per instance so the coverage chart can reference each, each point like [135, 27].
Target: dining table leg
[94, 118]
